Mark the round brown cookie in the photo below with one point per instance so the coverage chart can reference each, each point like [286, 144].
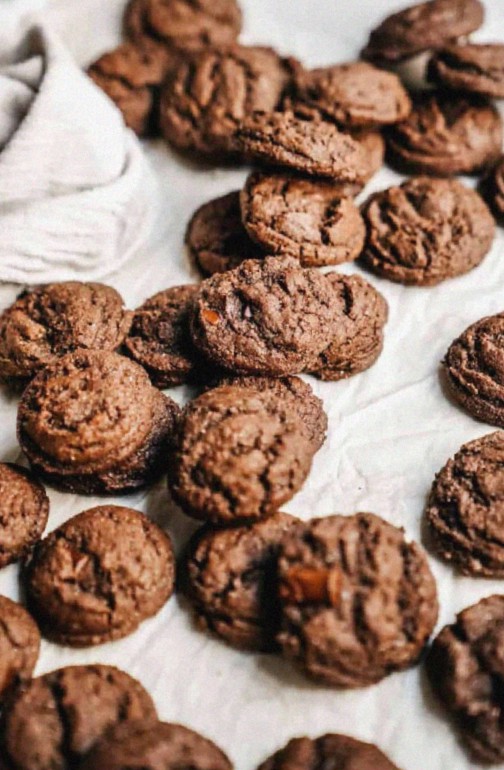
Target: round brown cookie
[19, 644]
[421, 27]
[302, 218]
[92, 423]
[358, 335]
[447, 134]
[159, 338]
[24, 509]
[216, 238]
[297, 394]
[358, 600]
[473, 67]
[466, 669]
[426, 230]
[230, 581]
[242, 454]
[186, 25]
[334, 752]
[49, 723]
[474, 367]
[158, 746]
[314, 147]
[131, 75]
[98, 576]
[267, 316]
[493, 188]
[208, 94]
[354, 94]
[52, 320]
[465, 511]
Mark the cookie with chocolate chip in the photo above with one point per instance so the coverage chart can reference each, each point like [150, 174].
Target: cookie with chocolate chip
[24, 510]
[474, 67]
[335, 751]
[19, 644]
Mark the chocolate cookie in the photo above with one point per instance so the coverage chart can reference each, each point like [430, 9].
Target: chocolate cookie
[131, 76]
[314, 147]
[216, 238]
[159, 338]
[447, 134]
[358, 335]
[44, 324]
[373, 144]
[97, 577]
[358, 600]
[158, 746]
[421, 27]
[24, 509]
[268, 317]
[466, 670]
[230, 581]
[474, 367]
[50, 722]
[334, 752]
[302, 218]
[242, 454]
[471, 67]
[186, 25]
[206, 97]
[494, 188]
[355, 94]
[19, 644]
[426, 230]
[465, 508]
[92, 423]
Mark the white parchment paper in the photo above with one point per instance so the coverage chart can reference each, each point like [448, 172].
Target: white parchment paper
[391, 429]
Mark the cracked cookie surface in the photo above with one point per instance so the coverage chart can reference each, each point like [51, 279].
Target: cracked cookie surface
[24, 510]
[337, 752]
[19, 644]
[472, 67]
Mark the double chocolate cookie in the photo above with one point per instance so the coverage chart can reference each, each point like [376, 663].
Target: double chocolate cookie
[242, 454]
[358, 334]
[426, 230]
[97, 577]
[231, 581]
[216, 237]
[302, 218]
[358, 600]
[335, 752]
[44, 324]
[447, 134]
[159, 338]
[472, 67]
[465, 511]
[19, 644]
[155, 746]
[474, 368]
[24, 509]
[267, 316]
[494, 188]
[467, 672]
[92, 423]
[423, 26]
[51, 722]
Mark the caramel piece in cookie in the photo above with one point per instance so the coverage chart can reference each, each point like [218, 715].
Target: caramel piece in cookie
[242, 454]
[426, 230]
[466, 669]
[358, 600]
[421, 27]
[19, 644]
[216, 237]
[474, 366]
[447, 134]
[98, 576]
[92, 423]
[302, 218]
[24, 509]
[155, 746]
[333, 751]
[51, 722]
[44, 324]
[465, 511]
[230, 581]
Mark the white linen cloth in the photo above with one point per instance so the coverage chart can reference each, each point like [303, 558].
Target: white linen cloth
[75, 187]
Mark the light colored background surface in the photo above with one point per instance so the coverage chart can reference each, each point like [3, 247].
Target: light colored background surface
[391, 429]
